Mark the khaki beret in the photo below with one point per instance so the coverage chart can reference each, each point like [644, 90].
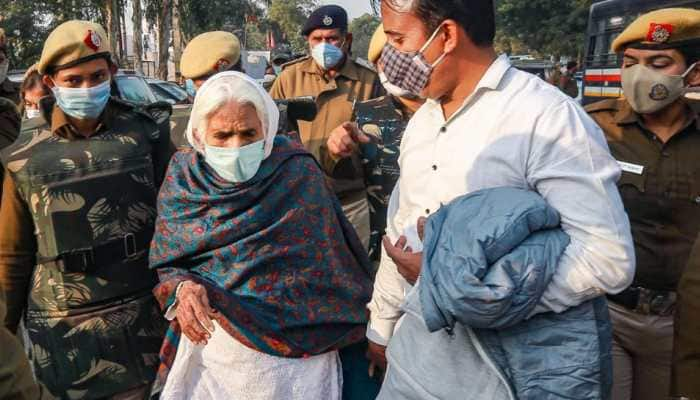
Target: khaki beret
[661, 29]
[72, 43]
[202, 54]
[376, 45]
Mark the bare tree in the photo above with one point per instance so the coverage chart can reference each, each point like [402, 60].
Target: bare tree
[164, 20]
[137, 20]
[112, 16]
[177, 36]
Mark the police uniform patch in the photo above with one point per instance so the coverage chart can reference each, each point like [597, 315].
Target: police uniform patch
[659, 33]
[327, 20]
[93, 40]
[659, 92]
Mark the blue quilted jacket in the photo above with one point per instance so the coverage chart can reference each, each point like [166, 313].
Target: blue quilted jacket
[488, 257]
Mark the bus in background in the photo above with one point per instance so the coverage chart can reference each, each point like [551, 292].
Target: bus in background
[607, 19]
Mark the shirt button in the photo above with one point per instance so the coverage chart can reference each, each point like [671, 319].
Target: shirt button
[434, 167]
[427, 211]
[666, 154]
[697, 200]
[443, 129]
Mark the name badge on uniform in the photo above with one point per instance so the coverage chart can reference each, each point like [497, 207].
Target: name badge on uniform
[631, 168]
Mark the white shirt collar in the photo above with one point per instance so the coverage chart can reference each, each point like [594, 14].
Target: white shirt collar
[490, 81]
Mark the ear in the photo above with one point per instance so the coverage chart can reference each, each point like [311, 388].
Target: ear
[451, 35]
[693, 76]
[348, 41]
[48, 81]
[222, 65]
[113, 69]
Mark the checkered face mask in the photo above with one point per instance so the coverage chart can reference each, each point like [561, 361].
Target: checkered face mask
[409, 71]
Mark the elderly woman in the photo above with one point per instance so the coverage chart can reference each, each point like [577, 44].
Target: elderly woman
[259, 268]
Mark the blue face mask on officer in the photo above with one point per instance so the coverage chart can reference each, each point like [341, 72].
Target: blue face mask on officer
[327, 55]
[83, 103]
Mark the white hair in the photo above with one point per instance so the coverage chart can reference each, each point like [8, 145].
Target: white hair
[224, 88]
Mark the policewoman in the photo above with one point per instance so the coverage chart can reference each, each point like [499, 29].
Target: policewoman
[336, 82]
[205, 55]
[655, 137]
[78, 211]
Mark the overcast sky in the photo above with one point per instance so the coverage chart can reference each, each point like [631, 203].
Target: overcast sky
[355, 8]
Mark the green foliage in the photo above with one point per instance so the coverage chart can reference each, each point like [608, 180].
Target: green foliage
[542, 27]
[289, 17]
[28, 23]
[362, 29]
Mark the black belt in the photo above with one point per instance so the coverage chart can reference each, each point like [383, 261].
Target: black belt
[89, 258]
[646, 301]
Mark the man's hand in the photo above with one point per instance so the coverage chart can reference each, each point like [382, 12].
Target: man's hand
[376, 354]
[194, 313]
[407, 262]
[344, 140]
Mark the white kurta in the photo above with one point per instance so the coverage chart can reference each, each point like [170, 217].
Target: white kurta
[226, 369]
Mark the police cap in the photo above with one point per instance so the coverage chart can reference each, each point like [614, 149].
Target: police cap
[376, 45]
[326, 17]
[71, 43]
[204, 54]
[661, 29]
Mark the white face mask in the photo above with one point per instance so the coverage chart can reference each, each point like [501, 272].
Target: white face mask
[3, 70]
[32, 113]
[393, 89]
[236, 165]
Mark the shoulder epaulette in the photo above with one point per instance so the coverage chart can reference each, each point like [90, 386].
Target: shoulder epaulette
[603, 105]
[297, 61]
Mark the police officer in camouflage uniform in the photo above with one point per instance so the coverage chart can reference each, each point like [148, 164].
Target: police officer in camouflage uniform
[78, 212]
[381, 124]
[204, 56]
[9, 97]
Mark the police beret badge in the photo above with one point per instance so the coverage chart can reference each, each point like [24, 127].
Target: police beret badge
[327, 20]
[659, 92]
[659, 33]
[93, 40]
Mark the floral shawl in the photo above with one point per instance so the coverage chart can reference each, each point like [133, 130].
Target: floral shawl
[281, 264]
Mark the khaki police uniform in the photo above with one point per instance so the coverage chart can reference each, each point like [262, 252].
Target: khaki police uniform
[16, 378]
[660, 188]
[335, 98]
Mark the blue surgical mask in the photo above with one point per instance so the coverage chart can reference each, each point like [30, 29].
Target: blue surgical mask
[83, 103]
[238, 164]
[327, 55]
[190, 88]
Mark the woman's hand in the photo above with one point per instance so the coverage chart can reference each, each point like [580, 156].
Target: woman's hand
[194, 312]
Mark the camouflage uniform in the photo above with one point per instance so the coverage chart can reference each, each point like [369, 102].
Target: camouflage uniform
[178, 126]
[381, 162]
[93, 325]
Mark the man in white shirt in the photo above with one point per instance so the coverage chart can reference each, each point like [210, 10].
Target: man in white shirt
[485, 125]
